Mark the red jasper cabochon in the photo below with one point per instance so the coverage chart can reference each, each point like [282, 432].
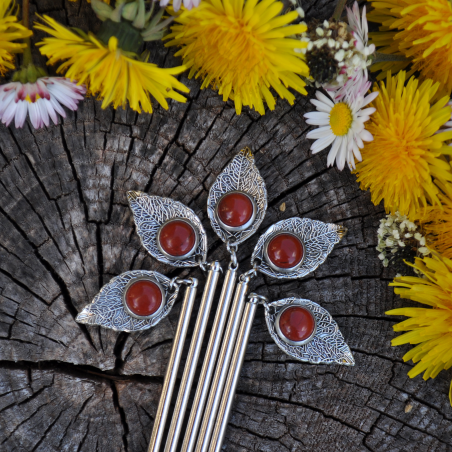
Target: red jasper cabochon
[296, 323]
[285, 250]
[144, 298]
[177, 238]
[235, 209]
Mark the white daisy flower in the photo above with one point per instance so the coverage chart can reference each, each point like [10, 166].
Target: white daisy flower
[342, 125]
[359, 29]
[41, 100]
[354, 72]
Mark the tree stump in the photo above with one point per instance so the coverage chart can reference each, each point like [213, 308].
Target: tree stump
[66, 230]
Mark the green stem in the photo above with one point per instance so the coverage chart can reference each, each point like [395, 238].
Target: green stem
[27, 58]
[338, 10]
[383, 57]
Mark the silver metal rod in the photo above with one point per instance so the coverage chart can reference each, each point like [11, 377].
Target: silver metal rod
[192, 357]
[208, 367]
[222, 367]
[233, 376]
[173, 367]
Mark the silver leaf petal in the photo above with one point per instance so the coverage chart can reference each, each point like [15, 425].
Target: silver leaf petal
[240, 175]
[326, 347]
[318, 238]
[107, 309]
[150, 212]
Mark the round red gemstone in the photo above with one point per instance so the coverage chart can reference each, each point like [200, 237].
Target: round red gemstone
[235, 209]
[177, 238]
[296, 324]
[285, 250]
[144, 298]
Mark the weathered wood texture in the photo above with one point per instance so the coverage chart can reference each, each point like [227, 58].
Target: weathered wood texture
[66, 229]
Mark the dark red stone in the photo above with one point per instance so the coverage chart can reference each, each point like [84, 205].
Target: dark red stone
[285, 250]
[144, 298]
[296, 323]
[177, 238]
[235, 209]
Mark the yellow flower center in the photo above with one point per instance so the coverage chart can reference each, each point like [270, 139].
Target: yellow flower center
[30, 101]
[341, 119]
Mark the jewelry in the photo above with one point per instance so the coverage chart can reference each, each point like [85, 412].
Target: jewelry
[173, 234]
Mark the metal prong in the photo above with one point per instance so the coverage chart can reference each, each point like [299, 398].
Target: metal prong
[233, 376]
[341, 231]
[173, 367]
[192, 357]
[222, 367]
[209, 360]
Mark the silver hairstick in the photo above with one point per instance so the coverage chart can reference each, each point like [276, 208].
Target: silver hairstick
[236, 207]
[289, 249]
[137, 300]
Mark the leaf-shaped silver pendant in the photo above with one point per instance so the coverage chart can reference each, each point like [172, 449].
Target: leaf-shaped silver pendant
[325, 346]
[240, 176]
[151, 213]
[108, 309]
[317, 240]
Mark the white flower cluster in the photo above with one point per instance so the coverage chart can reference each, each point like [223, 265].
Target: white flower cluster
[395, 234]
[349, 45]
[298, 9]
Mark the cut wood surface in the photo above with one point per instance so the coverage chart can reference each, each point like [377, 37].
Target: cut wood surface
[66, 230]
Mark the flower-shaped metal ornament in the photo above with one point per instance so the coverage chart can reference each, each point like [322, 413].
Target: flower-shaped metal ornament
[237, 200]
[306, 331]
[170, 231]
[117, 305]
[294, 247]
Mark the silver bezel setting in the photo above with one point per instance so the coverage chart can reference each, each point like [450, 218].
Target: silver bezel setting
[151, 212]
[274, 266]
[240, 175]
[185, 256]
[237, 228]
[107, 309]
[318, 239]
[131, 283]
[326, 346]
[281, 334]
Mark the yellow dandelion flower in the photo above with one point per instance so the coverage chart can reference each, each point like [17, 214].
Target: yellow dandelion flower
[116, 76]
[398, 165]
[430, 329]
[437, 223]
[10, 30]
[243, 48]
[418, 30]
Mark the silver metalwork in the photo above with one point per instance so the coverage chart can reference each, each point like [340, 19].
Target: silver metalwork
[131, 282]
[192, 357]
[240, 175]
[185, 256]
[208, 367]
[151, 212]
[275, 267]
[318, 239]
[221, 371]
[107, 307]
[236, 228]
[233, 375]
[286, 339]
[326, 347]
[173, 367]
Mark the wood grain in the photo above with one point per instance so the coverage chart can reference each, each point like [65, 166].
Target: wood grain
[66, 229]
